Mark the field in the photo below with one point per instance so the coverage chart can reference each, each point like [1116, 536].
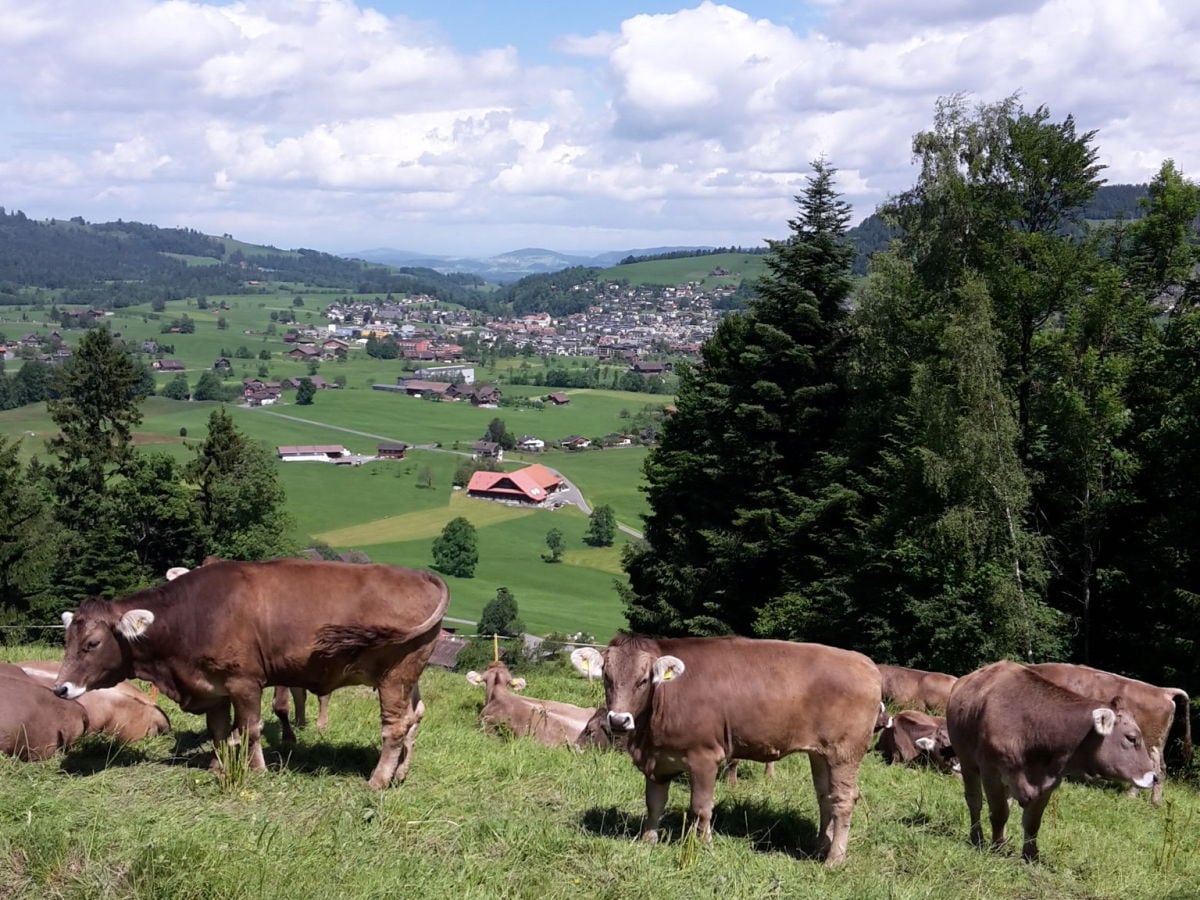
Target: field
[381, 508]
[741, 267]
[485, 817]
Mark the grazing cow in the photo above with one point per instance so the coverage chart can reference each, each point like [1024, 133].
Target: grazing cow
[915, 689]
[35, 724]
[279, 699]
[548, 722]
[912, 736]
[227, 630]
[122, 711]
[688, 704]
[1152, 707]
[1017, 733]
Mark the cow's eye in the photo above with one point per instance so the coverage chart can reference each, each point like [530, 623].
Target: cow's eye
[92, 644]
[1131, 740]
[642, 682]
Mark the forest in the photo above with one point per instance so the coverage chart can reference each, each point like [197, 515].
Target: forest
[986, 448]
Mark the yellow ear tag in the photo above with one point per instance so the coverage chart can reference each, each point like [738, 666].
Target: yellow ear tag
[668, 674]
[587, 666]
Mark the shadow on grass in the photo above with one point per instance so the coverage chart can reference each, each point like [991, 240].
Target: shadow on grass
[95, 754]
[769, 828]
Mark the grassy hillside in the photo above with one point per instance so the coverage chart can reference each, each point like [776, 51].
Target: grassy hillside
[485, 817]
[740, 266]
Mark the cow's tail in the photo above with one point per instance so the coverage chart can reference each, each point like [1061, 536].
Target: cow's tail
[439, 612]
[1176, 695]
[333, 639]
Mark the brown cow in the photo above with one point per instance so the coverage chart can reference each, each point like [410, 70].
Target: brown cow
[1153, 707]
[915, 689]
[912, 736]
[688, 704]
[122, 712]
[548, 722]
[1017, 733]
[279, 699]
[227, 630]
[35, 724]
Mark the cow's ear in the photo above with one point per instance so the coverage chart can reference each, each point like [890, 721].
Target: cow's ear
[1103, 720]
[588, 662]
[67, 618]
[475, 678]
[134, 623]
[175, 571]
[668, 667]
[925, 743]
[517, 684]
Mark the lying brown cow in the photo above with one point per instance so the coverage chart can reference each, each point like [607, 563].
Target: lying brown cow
[548, 722]
[1152, 707]
[1017, 733]
[688, 704]
[222, 632]
[35, 724]
[912, 736]
[279, 699]
[122, 711]
[915, 689]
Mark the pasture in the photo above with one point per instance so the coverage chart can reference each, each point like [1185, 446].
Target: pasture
[740, 267]
[484, 817]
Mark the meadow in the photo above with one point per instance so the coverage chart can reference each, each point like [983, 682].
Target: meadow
[385, 508]
[740, 268]
[483, 816]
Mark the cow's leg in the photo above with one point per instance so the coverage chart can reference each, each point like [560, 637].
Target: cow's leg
[410, 737]
[997, 798]
[279, 704]
[323, 712]
[973, 792]
[656, 802]
[247, 721]
[1031, 820]
[731, 773]
[300, 701]
[704, 783]
[1156, 792]
[397, 716]
[842, 780]
[219, 725]
[770, 771]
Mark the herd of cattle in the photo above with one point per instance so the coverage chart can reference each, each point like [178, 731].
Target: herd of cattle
[213, 638]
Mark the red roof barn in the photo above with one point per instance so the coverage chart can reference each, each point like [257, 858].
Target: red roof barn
[532, 484]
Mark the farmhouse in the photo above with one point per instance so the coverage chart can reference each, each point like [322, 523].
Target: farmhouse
[168, 365]
[530, 485]
[391, 451]
[465, 374]
[319, 452]
[558, 398]
[487, 450]
[575, 442]
[530, 443]
[417, 388]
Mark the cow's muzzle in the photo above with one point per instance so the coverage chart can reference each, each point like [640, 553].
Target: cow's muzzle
[620, 722]
[67, 690]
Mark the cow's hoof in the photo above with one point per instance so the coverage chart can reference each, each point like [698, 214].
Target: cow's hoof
[650, 837]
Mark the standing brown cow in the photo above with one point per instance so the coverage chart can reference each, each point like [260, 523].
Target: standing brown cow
[916, 689]
[1152, 707]
[688, 704]
[1017, 733]
[228, 629]
[35, 724]
[122, 711]
[548, 722]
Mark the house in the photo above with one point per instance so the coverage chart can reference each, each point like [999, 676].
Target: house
[558, 398]
[647, 369]
[617, 440]
[222, 365]
[487, 450]
[149, 346]
[304, 351]
[531, 485]
[465, 374]
[479, 395]
[391, 451]
[416, 388]
[293, 384]
[168, 365]
[320, 452]
[531, 444]
[574, 442]
[261, 398]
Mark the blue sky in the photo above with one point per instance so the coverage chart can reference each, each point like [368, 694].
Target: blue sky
[472, 128]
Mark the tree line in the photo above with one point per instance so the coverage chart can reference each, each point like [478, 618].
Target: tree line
[986, 449]
[101, 518]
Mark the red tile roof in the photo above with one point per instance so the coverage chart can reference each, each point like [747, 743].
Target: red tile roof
[532, 483]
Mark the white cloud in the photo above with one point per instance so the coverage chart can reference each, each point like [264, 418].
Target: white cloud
[343, 127]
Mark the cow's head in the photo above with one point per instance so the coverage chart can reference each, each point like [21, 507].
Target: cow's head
[98, 639]
[938, 750]
[1114, 748]
[632, 671]
[495, 677]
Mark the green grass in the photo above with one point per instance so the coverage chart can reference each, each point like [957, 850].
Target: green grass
[668, 272]
[485, 817]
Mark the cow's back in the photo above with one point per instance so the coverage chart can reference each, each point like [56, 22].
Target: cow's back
[763, 699]
[1151, 706]
[34, 723]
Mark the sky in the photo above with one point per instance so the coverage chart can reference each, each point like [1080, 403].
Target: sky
[474, 128]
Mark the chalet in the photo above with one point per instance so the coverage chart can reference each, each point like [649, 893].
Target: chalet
[318, 452]
[479, 395]
[391, 451]
[647, 369]
[532, 485]
[531, 444]
[574, 442]
[222, 364]
[293, 384]
[168, 365]
[558, 398]
[414, 387]
[336, 345]
[487, 450]
[617, 440]
[261, 398]
[304, 351]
